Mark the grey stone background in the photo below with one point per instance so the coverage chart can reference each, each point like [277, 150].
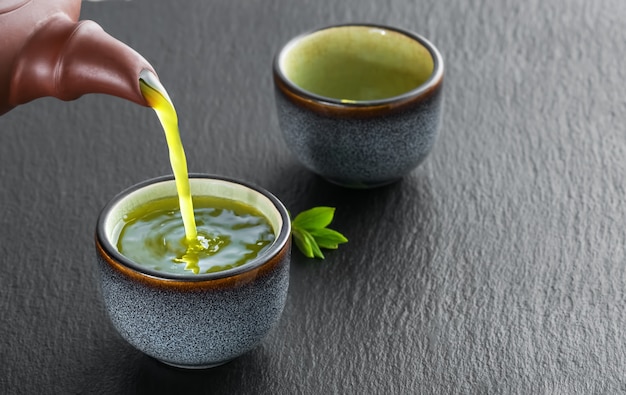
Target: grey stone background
[495, 267]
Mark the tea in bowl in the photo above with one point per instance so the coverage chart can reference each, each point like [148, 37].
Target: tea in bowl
[194, 310]
[359, 105]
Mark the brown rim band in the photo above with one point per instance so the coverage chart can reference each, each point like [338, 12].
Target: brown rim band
[330, 109]
[233, 281]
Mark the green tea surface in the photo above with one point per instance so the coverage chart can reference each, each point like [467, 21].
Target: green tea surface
[230, 233]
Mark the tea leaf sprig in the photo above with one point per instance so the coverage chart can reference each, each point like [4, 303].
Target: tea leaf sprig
[310, 232]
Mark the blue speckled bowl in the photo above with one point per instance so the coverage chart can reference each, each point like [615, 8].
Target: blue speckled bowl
[194, 321]
[358, 143]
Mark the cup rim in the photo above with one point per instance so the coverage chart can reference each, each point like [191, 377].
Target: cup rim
[429, 85]
[281, 240]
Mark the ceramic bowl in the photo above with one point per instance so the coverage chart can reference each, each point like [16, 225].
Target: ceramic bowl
[361, 141]
[194, 321]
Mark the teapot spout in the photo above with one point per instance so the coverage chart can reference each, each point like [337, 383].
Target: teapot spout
[67, 59]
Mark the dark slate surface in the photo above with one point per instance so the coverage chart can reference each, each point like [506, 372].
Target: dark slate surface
[496, 267]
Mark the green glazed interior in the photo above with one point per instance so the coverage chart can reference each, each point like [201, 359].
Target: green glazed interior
[357, 63]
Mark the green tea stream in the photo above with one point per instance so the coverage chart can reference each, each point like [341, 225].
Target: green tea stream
[170, 235]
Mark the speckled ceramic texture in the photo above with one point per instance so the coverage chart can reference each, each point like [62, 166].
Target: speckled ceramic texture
[361, 144]
[194, 321]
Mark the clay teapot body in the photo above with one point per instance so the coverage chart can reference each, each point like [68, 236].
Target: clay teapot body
[46, 51]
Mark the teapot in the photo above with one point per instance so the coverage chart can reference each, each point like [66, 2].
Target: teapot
[46, 51]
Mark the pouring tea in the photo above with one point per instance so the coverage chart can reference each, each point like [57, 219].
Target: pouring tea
[46, 51]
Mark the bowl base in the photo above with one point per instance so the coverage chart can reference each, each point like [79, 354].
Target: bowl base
[362, 184]
[194, 367]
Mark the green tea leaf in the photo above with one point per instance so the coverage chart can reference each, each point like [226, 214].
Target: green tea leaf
[311, 234]
[302, 242]
[328, 238]
[315, 247]
[315, 218]
[306, 243]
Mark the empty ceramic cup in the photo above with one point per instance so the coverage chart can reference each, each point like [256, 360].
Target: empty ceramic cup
[359, 105]
[185, 319]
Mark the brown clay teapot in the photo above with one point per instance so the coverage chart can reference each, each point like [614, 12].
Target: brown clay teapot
[46, 51]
